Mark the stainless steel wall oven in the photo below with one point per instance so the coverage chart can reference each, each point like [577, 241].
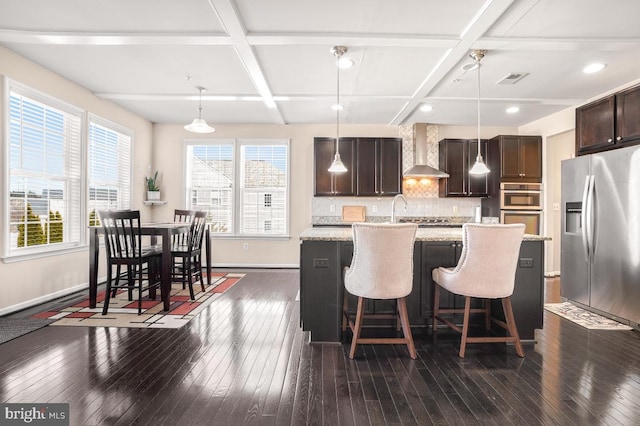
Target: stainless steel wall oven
[522, 203]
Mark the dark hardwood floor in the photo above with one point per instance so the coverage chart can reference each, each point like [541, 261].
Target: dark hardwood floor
[246, 361]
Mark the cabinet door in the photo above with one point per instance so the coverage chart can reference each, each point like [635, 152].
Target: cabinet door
[345, 183]
[509, 157]
[453, 157]
[531, 157]
[390, 169]
[595, 125]
[367, 166]
[323, 151]
[330, 184]
[477, 185]
[379, 166]
[628, 116]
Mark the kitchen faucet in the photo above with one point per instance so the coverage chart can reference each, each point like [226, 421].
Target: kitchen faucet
[393, 206]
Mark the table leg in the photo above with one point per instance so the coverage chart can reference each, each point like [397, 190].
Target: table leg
[94, 249]
[207, 244]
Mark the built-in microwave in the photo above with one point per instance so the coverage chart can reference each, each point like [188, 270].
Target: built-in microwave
[520, 196]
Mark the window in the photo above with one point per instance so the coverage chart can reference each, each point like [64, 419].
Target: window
[242, 184]
[109, 167]
[44, 173]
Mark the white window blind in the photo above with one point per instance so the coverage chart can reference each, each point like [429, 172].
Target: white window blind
[264, 176]
[109, 167]
[44, 164]
[209, 183]
[243, 185]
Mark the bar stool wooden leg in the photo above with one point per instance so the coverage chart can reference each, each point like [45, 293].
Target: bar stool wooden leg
[465, 326]
[356, 328]
[406, 328]
[511, 324]
[436, 306]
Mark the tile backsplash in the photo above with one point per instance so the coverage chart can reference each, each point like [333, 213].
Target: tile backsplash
[416, 207]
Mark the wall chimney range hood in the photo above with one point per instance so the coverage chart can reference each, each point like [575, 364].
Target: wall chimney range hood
[421, 169]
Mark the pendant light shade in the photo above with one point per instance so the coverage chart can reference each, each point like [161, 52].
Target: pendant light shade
[479, 167]
[199, 125]
[338, 166]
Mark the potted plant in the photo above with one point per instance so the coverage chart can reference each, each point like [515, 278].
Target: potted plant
[153, 189]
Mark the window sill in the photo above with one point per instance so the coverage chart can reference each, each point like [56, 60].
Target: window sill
[39, 255]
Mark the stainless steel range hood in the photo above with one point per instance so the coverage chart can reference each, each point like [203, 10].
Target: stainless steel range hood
[421, 169]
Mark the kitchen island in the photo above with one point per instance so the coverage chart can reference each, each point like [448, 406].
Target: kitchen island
[325, 251]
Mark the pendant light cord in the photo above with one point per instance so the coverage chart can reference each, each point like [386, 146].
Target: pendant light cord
[338, 108]
[478, 63]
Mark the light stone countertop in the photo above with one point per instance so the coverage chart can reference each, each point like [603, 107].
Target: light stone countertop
[327, 233]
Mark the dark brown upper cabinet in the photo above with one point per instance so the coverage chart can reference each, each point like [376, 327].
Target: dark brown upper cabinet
[378, 166]
[609, 123]
[516, 158]
[333, 184]
[457, 156]
[374, 167]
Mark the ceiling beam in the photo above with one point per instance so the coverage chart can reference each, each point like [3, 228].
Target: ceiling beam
[487, 16]
[229, 16]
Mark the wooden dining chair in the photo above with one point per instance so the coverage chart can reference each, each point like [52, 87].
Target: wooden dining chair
[123, 242]
[186, 256]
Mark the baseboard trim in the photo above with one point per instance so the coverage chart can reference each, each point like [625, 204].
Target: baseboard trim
[42, 299]
[257, 265]
[552, 274]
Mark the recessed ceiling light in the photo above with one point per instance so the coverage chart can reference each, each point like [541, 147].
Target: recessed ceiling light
[590, 69]
[512, 110]
[426, 108]
[345, 63]
[337, 107]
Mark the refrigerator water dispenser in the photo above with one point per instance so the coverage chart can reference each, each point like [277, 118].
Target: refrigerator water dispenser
[573, 218]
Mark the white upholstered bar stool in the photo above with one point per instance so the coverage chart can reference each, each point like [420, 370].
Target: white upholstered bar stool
[381, 268]
[486, 270]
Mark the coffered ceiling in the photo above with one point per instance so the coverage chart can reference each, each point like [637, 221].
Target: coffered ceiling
[269, 61]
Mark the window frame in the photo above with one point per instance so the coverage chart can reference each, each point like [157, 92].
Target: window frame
[10, 254]
[237, 144]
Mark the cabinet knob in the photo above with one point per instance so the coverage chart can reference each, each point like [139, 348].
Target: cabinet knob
[609, 140]
[619, 138]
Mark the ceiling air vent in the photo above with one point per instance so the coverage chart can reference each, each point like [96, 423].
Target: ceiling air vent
[512, 78]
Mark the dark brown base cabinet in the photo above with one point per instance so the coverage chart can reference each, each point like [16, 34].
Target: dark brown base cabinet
[321, 288]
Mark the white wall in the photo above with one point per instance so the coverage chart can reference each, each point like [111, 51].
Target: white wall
[558, 147]
[27, 281]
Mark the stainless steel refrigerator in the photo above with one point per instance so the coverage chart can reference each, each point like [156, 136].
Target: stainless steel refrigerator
[600, 247]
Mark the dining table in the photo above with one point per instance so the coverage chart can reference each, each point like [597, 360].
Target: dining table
[163, 230]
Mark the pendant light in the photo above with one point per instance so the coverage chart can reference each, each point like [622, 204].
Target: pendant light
[199, 125]
[479, 168]
[337, 166]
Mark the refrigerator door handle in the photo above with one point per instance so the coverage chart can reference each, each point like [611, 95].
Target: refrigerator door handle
[585, 217]
[589, 217]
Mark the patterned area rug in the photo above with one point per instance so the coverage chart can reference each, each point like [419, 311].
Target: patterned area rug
[124, 313]
[584, 318]
[10, 328]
